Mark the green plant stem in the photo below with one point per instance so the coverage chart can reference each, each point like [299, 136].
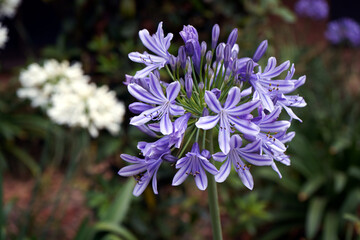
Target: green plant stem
[213, 198]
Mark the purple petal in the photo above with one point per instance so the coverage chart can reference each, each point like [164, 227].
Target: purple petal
[145, 116]
[274, 167]
[212, 102]
[252, 147]
[223, 172]
[146, 71]
[219, 157]
[235, 141]
[208, 166]
[145, 58]
[207, 122]
[276, 71]
[233, 98]
[172, 91]
[246, 178]
[246, 92]
[224, 136]
[131, 159]
[176, 110]
[154, 182]
[132, 170]
[245, 126]
[182, 174]
[276, 126]
[256, 159]
[270, 64]
[145, 129]
[155, 87]
[150, 43]
[273, 116]
[143, 95]
[201, 179]
[265, 99]
[141, 186]
[181, 162]
[138, 107]
[166, 126]
[274, 86]
[287, 137]
[195, 148]
[154, 126]
[243, 109]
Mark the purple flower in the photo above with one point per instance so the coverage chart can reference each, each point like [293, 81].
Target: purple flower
[315, 9]
[264, 87]
[154, 96]
[272, 143]
[156, 43]
[235, 157]
[229, 116]
[143, 169]
[194, 163]
[343, 29]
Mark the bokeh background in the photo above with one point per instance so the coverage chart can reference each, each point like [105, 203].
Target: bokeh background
[60, 183]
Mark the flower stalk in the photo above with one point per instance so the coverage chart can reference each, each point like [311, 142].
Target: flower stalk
[213, 198]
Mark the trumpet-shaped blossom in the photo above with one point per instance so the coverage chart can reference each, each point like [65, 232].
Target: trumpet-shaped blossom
[344, 29]
[159, 45]
[143, 170]
[165, 105]
[230, 115]
[195, 163]
[235, 157]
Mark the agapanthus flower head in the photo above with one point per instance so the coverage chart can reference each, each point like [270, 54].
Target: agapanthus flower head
[3, 36]
[68, 97]
[212, 94]
[344, 29]
[8, 7]
[314, 9]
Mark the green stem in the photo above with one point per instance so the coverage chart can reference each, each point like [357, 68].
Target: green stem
[213, 199]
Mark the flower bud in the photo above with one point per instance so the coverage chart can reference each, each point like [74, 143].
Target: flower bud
[260, 51]
[189, 48]
[182, 56]
[188, 85]
[232, 37]
[203, 48]
[208, 57]
[220, 52]
[215, 35]
[227, 55]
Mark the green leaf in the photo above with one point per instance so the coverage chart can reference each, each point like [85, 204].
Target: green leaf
[285, 14]
[330, 226]
[84, 232]
[113, 228]
[121, 204]
[340, 181]
[24, 157]
[314, 216]
[310, 187]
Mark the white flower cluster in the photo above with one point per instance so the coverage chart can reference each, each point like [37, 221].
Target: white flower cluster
[3, 36]
[69, 99]
[8, 7]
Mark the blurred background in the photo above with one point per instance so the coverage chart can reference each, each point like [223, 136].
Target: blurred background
[60, 183]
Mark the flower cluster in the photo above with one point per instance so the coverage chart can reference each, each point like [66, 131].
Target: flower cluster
[3, 36]
[66, 94]
[8, 7]
[213, 91]
[344, 29]
[314, 9]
